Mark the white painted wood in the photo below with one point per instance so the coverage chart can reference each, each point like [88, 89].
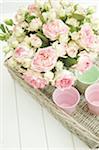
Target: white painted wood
[9, 132]
[9, 128]
[79, 145]
[30, 121]
[59, 138]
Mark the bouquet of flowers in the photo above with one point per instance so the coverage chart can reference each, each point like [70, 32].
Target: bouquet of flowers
[51, 43]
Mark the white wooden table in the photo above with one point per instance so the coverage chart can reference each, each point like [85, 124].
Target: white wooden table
[24, 124]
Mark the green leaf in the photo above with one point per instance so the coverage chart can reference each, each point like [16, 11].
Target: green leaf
[73, 29]
[42, 19]
[9, 22]
[78, 16]
[4, 37]
[7, 29]
[2, 28]
[68, 62]
[43, 38]
[28, 17]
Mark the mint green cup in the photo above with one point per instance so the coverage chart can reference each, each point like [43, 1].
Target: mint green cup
[89, 77]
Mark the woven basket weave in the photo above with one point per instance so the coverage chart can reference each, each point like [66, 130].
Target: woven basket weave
[82, 123]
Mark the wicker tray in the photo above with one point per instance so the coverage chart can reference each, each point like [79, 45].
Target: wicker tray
[81, 122]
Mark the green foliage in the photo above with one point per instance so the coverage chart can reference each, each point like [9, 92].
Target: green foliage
[43, 38]
[9, 22]
[68, 62]
[28, 17]
[78, 16]
[2, 28]
[5, 32]
[4, 36]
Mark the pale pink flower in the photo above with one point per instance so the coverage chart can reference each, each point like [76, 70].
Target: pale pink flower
[84, 63]
[72, 49]
[35, 80]
[35, 24]
[32, 8]
[44, 60]
[87, 37]
[64, 80]
[21, 52]
[54, 29]
[35, 41]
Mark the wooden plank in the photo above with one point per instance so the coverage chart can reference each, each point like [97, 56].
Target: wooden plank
[30, 121]
[58, 137]
[9, 136]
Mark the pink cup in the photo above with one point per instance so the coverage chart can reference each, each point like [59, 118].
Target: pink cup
[67, 99]
[92, 97]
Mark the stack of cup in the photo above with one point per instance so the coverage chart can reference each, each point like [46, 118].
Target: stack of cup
[92, 98]
[67, 99]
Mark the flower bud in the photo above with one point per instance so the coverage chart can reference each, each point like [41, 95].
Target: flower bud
[6, 49]
[59, 66]
[72, 22]
[20, 16]
[64, 38]
[91, 10]
[75, 36]
[49, 75]
[35, 24]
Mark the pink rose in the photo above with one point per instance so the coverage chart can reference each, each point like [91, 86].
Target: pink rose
[32, 8]
[64, 80]
[87, 37]
[55, 28]
[35, 80]
[21, 52]
[44, 60]
[84, 63]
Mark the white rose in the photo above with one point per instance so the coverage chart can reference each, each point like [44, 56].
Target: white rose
[69, 9]
[18, 31]
[59, 66]
[72, 21]
[39, 3]
[27, 40]
[6, 49]
[61, 12]
[64, 2]
[35, 41]
[81, 10]
[12, 41]
[23, 24]
[72, 49]
[52, 14]
[20, 16]
[95, 24]
[91, 10]
[60, 48]
[45, 15]
[35, 24]
[26, 62]
[49, 75]
[47, 6]
[64, 38]
[75, 36]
